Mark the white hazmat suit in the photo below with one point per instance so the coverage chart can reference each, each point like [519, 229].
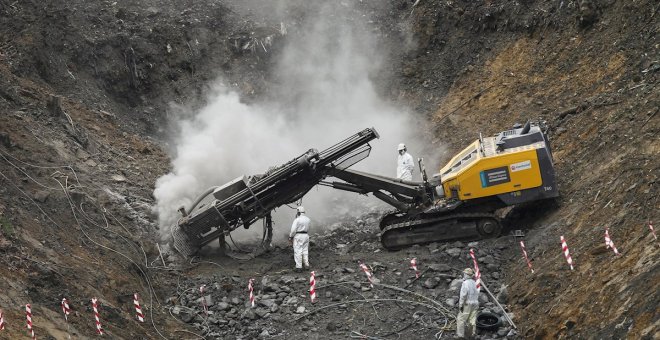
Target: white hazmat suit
[468, 304]
[405, 167]
[300, 239]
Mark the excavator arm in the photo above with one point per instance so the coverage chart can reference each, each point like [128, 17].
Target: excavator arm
[406, 196]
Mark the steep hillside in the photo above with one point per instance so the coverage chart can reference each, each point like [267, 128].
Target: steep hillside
[84, 88]
[87, 87]
[590, 71]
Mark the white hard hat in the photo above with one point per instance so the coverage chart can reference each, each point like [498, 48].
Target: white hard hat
[301, 209]
[401, 147]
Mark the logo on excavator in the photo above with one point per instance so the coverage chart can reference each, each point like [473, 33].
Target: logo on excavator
[521, 166]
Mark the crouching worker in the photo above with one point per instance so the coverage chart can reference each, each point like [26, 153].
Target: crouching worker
[299, 238]
[468, 305]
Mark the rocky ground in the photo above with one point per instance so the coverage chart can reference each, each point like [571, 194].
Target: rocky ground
[346, 306]
[86, 89]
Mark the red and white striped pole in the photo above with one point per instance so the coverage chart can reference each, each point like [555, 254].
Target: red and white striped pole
[203, 299]
[477, 273]
[564, 248]
[609, 243]
[366, 271]
[529, 264]
[251, 289]
[413, 265]
[65, 309]
[28, 315]
[652, 231]
[2, 321]
[138, 310]
[99, 329]
[312, 287]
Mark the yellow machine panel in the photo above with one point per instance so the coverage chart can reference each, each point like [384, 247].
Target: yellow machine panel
[480, 171]
[512, 168]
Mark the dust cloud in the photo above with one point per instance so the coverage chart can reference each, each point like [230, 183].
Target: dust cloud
[324, 93]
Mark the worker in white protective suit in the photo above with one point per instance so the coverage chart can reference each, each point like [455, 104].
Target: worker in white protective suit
[468, 305]
[299, 239]
[405, 165]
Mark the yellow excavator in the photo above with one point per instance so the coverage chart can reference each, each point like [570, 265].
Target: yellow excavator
[510, 168]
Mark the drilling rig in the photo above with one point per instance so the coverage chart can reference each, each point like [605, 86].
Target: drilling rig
[510, 168]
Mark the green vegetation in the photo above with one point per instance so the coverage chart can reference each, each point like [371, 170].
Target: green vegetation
[7, 228]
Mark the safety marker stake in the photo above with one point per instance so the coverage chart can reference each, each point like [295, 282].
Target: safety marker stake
[609, 243]
[529, 264]
[652, 231]
[413, 265]
[312, 287]
[366, 271]
[65, 309]
[564, 248]
[251, 289]
[28, 315]
[99, 329]
[138, 310]
[477, 273]
[2, 321]
[203, 300]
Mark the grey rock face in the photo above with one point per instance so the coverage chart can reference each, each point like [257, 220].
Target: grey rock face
[431, 283]
[453, 252]
[439, 267]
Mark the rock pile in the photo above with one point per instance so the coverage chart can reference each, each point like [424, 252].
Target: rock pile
[346, 304]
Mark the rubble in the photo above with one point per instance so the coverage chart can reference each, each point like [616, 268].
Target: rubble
[343, 288]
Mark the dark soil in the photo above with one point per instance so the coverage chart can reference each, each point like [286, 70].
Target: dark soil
[86, 88]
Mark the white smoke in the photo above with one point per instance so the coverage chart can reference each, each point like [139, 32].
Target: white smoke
[324, 93]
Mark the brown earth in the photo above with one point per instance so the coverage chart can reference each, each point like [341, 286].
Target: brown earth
[595, 88]
[85, 88]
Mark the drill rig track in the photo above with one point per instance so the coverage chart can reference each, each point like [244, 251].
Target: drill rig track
[401, 230]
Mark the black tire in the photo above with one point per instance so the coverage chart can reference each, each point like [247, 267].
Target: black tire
[488, 321]
[489, 227]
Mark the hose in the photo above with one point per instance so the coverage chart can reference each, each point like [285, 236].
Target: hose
[200, 198]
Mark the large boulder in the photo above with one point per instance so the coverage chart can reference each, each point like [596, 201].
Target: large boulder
[455, 285]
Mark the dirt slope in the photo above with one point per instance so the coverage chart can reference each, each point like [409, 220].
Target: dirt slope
[84, 84]
[596, 86]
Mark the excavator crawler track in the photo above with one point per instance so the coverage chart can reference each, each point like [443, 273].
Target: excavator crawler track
[401, 230]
